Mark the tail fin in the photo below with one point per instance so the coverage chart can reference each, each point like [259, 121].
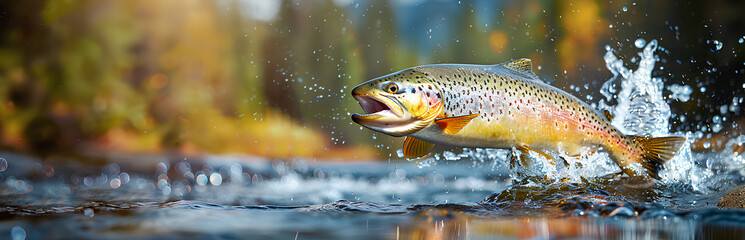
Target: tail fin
[657, 151]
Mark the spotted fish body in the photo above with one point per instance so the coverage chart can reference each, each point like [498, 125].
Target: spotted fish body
[508, 106]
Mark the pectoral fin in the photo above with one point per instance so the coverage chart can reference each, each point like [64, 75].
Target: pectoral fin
[415, 148]
[453, 125]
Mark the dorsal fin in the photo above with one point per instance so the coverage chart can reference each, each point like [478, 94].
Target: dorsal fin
[523, 65]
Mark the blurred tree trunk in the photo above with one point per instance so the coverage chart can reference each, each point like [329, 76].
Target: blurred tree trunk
[277, 67]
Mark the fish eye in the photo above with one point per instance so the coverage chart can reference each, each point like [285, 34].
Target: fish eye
[392, 88]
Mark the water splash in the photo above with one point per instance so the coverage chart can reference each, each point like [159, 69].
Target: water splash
[640, 108]
[642, 111]
[680, 92]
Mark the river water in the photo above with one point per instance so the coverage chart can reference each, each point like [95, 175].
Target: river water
[470, 193]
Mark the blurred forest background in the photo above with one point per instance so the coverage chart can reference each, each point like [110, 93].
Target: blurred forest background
[272, 77]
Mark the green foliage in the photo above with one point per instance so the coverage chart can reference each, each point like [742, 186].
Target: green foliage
[148, 76]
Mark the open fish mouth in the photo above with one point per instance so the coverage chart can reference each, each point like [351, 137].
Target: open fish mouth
[372, 106]
[382, 116]
[374, 109]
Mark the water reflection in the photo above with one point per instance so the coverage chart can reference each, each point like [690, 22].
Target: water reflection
[435, 227]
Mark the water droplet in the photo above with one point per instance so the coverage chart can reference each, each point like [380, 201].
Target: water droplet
[215, 179]
[166, 190]
[716, 128]
[48, 170]
[162, 183]
[115, 183]
[236, 169]
[450, 156]
[161, 168]
[124, 177]
[201, 179]
[17, 233]
[717, 45]
[640, 43]
[682, 93]
[4, 163]
[88, 212]
[625, 9]
[88, 181]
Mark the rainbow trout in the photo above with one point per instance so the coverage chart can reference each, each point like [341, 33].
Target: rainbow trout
[499, 106]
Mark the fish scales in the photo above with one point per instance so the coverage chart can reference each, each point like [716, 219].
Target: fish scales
[522, 109]
[498, 106]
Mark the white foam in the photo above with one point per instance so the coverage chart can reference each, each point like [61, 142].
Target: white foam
[640, 108]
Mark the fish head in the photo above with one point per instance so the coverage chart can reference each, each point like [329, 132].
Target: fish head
[398, 104]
